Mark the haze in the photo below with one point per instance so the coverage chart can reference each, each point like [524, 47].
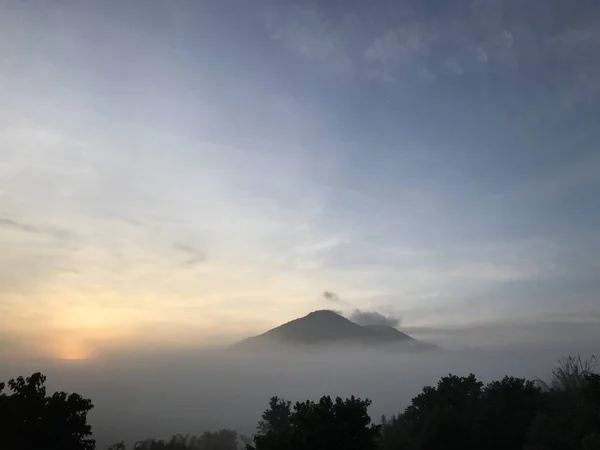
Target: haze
[157, 395]
[176, 176]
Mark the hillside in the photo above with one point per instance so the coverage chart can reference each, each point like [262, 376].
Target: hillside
[329, 328]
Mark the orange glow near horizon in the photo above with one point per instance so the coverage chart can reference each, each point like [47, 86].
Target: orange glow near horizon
[73, 351]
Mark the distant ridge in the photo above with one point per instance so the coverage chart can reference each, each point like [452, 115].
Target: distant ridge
[327, 327]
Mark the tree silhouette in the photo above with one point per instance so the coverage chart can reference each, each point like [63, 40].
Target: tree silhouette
[571, 374]
[570, 417]
[322, 425]
[275, 429]
[506, 413]
[117, 446]
[460, 413]
[443, 416]
[218, 440]
[31, 420]
[509, 414]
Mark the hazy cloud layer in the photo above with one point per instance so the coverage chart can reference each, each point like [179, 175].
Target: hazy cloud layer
[373, 318]
[140, 395]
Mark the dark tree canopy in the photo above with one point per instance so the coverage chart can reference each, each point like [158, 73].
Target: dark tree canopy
[509, 414]
[218, 440]
[462, 413]
[439, 417]
[570, 418]
[323, 425]
[32, 420]
[506, 411]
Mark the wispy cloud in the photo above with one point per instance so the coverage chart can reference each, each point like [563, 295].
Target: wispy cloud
[484, 42]
[55, 232]
[193, 256]
[439, 47]
[308, 31]
[406, 47]
[331, 296]
[373, 318]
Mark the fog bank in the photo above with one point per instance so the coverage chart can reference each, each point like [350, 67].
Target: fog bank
[155, 395]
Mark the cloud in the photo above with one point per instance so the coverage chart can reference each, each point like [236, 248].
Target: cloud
[373, 318]
[55, 232]
[551, 330]
[192, 256]
[308, 31]
[401, 45]
[409, 46]
[573, 38]
[8, 223]
[334, 298]
[435, 48]
[331, 296]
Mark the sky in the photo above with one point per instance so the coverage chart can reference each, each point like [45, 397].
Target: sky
[185, 173]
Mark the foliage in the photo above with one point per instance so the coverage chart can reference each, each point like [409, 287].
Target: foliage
[512, 413]
[31, 420]
[117, 446]
[506, 412]
[218, 440]
[570, 418]
[323, 425]
[571, 374]
[439, 417]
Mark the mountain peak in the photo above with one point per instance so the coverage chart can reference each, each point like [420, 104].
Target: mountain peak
[326, 327]
[323, 312]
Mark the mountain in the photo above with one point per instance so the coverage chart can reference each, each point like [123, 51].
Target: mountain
[329, 328]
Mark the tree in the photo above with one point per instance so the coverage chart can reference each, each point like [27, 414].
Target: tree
[506, 413]
[509, 414]
[439, 417]
[218, 440]
[275, 429]
[570, 416]
[323, 425]
[571, 374]
[31, 420]
[117, 446]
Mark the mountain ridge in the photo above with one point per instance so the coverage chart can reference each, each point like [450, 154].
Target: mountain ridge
[326, 327]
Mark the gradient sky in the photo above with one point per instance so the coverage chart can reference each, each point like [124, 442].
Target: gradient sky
[176, 173]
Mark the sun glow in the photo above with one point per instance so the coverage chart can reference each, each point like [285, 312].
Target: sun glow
[74, 351]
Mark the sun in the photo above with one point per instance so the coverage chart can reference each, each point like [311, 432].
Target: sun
[73, 351]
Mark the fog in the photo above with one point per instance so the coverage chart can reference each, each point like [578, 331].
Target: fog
[155, 395]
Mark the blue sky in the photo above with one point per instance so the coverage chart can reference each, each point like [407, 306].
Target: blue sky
[214, 167]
